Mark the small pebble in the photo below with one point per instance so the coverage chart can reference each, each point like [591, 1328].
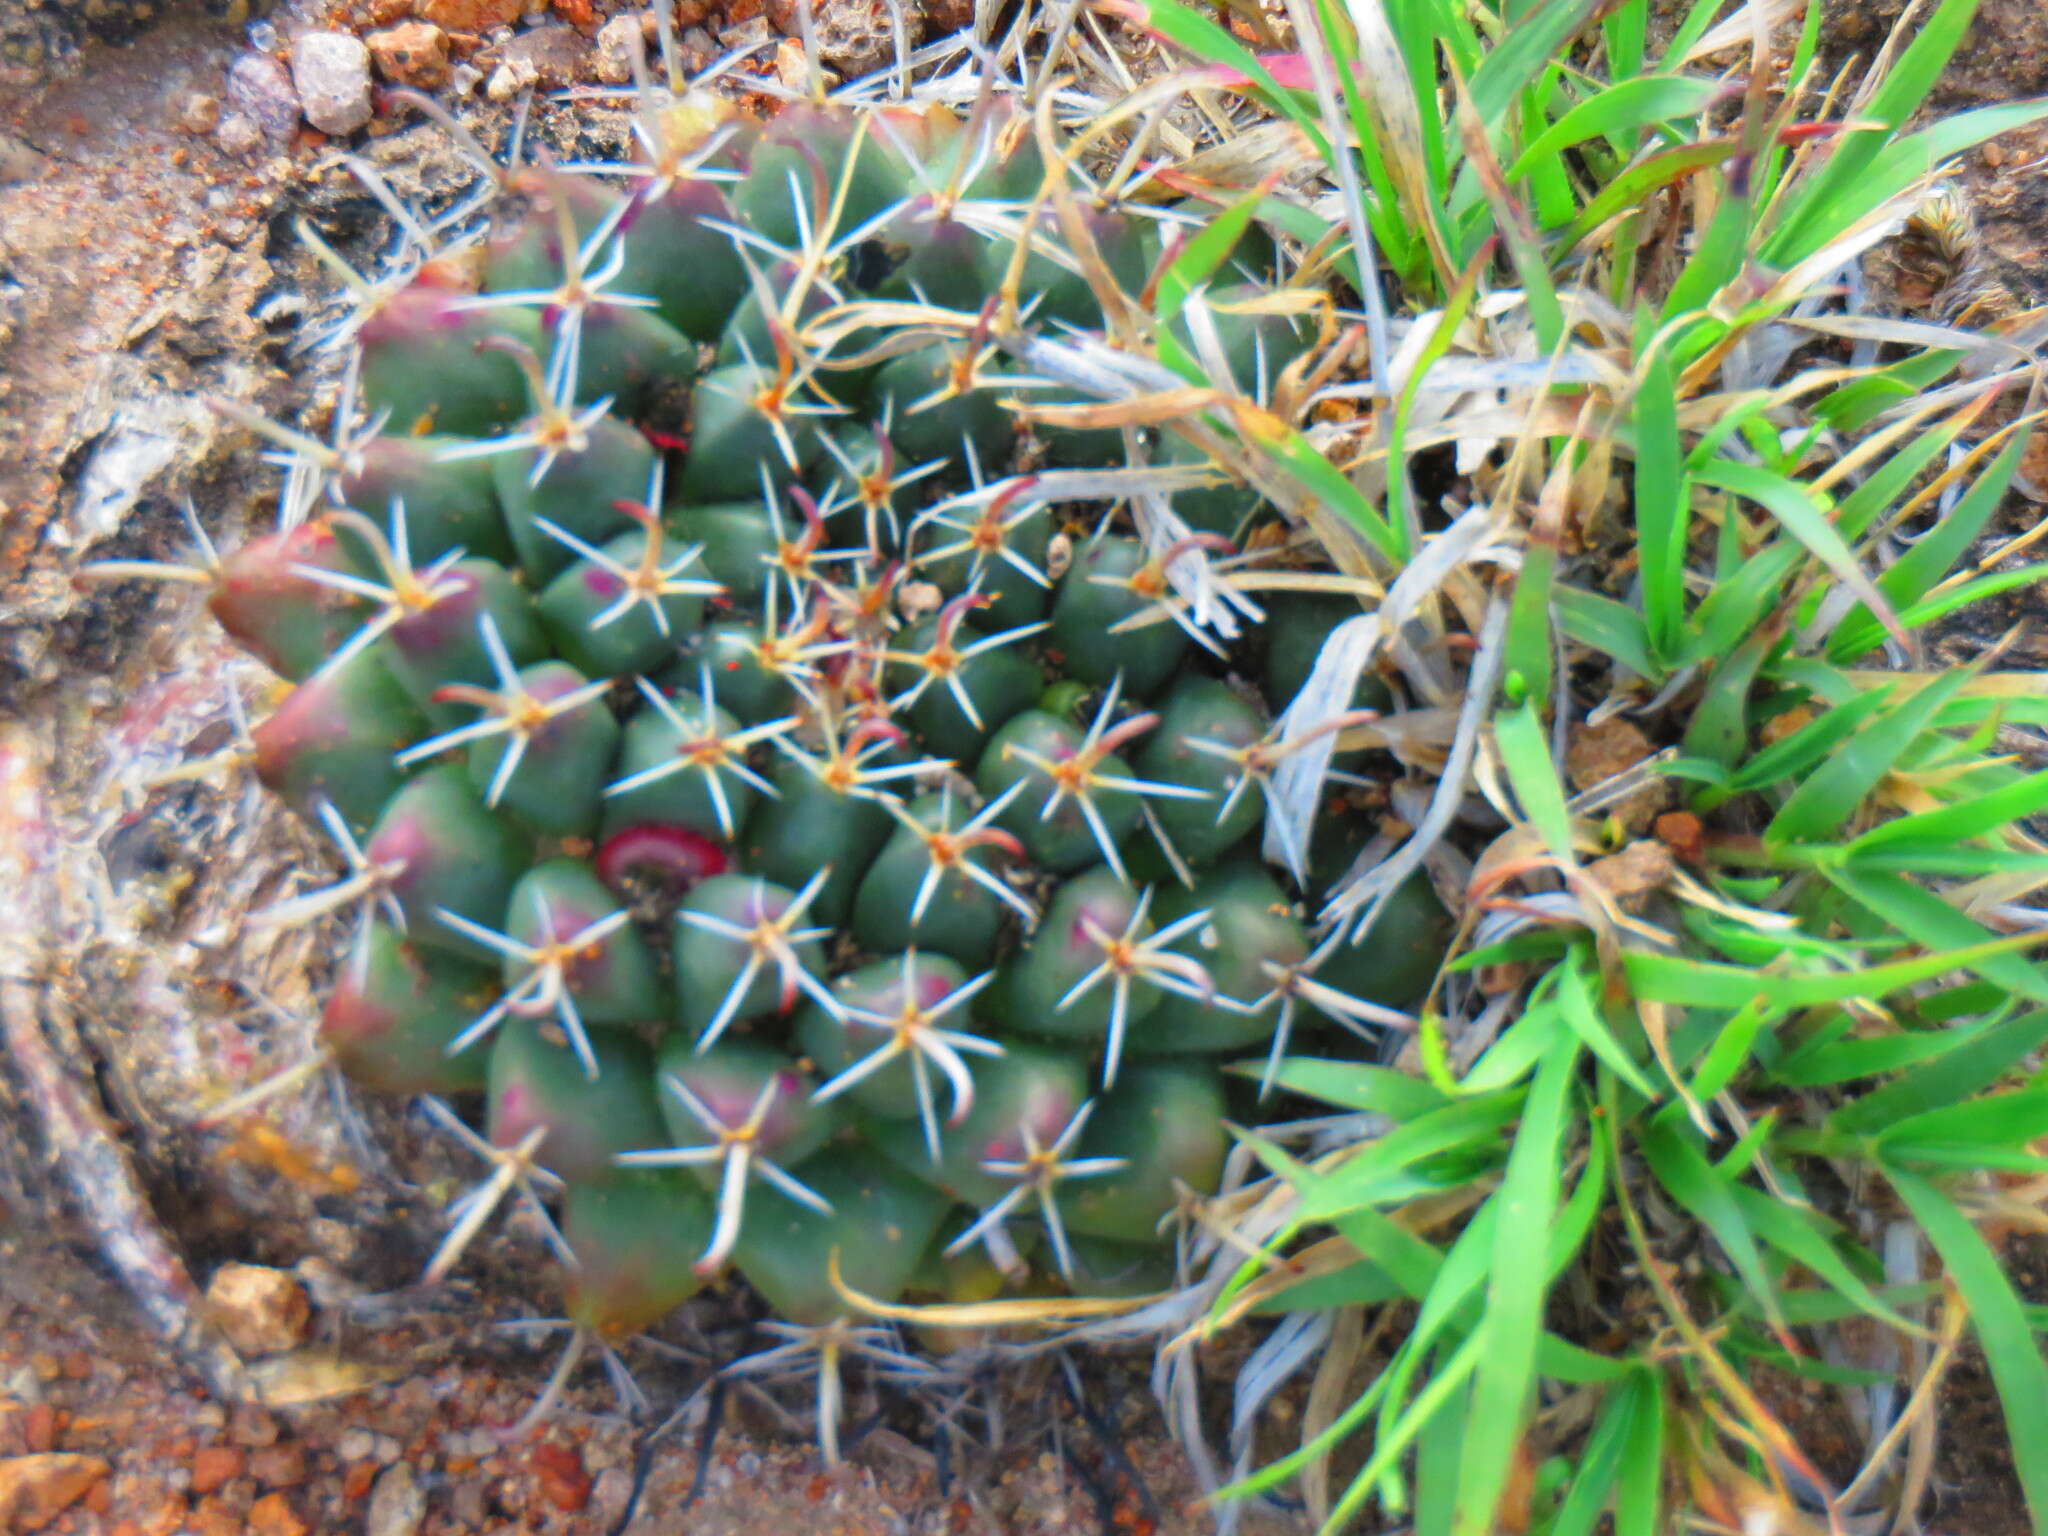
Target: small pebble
[18, 160]
[413, 53]
[397, 1503]
[262, 1311]
[213, 1466]
[608, 1497]
[196, 112]
[468, 1502]
[238, 134]
[273, 1515]
[614, 62]
[279, 1466]
[35, 1490]
[260, 88]
[252, 1426]
[510, 78]
[332, 72]
[355, 1445]
[476, 16]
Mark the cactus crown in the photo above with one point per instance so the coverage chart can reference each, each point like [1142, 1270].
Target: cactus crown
[791, 727]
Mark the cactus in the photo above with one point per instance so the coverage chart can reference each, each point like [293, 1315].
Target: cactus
[765, 792]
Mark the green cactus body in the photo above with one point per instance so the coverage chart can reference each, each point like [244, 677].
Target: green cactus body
[636, 1238]
[919, 894]
[441, 643]
[1108, 584]
[1055, 828]
[1400, 956]
[536, 1085]
[740, 423]
[562, 910]
[691, 271]
[1164, 1121]
[549, 776]
[1249, 936]
[422, 364]
[881, 1224]
[580, 492]
[785, 790]
[448, 505]
[739, 954]
[817, 823]
[448, 853]
[288, 622]
[1201, 720]
[333, 738]
[629, 611]
[390, 1018]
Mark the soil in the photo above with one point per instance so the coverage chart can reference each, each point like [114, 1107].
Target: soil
[142, 267]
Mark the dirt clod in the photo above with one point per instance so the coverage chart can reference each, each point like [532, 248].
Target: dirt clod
[1600, 752]
[197, 113]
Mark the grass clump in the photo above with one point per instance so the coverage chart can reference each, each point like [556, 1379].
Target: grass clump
[1735, 1074]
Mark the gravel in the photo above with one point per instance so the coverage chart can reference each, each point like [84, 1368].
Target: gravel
[332, 73]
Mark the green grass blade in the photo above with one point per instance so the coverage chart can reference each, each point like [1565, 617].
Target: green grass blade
[1922, 915]
[1351, 1085]
[2010, 1350]
[1894, 168]
[1845, 1061]
[1581, 1011]
[1525, 753]
[1621, 109]
[1505, 1380]
[1836, 790]
[1663, 495]
[1822, 192]
[1704, 984]
[1639, 1484]
[1520, 56]
[1408, 1260]
[1794, 1233]
[1612, 628]
[1972, 1067]
[1952, 824]
[1691, 1181]
[1802, 517]
[1641, 181]
[1468, 1123]
[1997, 1122]
[1389, 1448]
[1809, 746]
[1201, 258]
[1598, 1461]
[1930, 558]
